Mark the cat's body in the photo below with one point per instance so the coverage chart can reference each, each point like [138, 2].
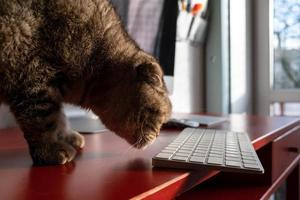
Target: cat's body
[75, 51]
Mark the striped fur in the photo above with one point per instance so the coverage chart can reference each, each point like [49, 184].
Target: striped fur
[76, 51]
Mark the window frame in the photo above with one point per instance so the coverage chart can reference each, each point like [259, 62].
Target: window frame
[265, 95]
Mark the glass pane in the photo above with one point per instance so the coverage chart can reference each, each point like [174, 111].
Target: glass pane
[286, 71]
[286, 109]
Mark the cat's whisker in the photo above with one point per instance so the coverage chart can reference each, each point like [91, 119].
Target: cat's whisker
[129, 149]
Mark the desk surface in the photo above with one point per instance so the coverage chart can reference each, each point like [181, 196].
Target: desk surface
[108, 168]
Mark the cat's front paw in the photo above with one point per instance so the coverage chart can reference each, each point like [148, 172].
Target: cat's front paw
[153, 104]
[137, 110]
[55, 153]
[75, 139]
[136, 106]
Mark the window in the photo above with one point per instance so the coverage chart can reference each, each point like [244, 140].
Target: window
[277, 57]
[285, 75]
[286, 44]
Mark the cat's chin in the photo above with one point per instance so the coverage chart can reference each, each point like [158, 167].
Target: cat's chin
[141, 142]
[143, 145]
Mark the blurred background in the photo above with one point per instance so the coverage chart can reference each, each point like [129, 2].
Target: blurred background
[219, 56]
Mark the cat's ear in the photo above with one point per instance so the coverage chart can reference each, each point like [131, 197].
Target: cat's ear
[150, 73]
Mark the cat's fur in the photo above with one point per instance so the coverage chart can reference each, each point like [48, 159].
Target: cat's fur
[76, 51]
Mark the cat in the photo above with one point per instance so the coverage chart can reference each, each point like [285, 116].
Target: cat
[76, 51]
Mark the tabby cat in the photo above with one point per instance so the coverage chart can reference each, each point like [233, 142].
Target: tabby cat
[76, 51]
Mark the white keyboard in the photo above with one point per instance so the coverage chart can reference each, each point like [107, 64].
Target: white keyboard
[196, 148]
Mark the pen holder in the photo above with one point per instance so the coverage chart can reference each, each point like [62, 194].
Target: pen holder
[183, 25]
[198, 30]
[190, 27]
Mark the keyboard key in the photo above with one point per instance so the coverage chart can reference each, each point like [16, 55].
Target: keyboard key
[187, 147]
[197, 159]
[163, 155]
[190, 145]
[171, 148]
[217, 152]
[201, 147]
[201, 151]
[176, 143]
[249, 157]
[199, 154]
[246, 150]
[180, 158]
[178, 140]
[216, 161]
[216, 155]
[231, 148]
[249, 161]
[184, 151]
[233, 155]
[167, 151]
[233, 159]
[247, 154]
[232, 151]
[245, 147]
[251, 166]
[182, 154]
[233, 163]
[222, 148]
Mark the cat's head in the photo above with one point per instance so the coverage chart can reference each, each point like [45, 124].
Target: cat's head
[133, 103]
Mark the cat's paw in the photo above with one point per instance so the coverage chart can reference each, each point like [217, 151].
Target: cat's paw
[55, 153]
[75, 139]
[153, 104]
[136, 110]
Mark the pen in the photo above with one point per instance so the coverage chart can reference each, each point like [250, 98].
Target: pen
[188, 6]
[196, 9]
[183, 7]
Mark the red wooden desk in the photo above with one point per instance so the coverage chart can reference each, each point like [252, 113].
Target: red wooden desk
[108, 168]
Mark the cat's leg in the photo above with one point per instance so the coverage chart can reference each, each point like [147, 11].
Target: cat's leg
[39, 114]
[134, 107]
[70, 136]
